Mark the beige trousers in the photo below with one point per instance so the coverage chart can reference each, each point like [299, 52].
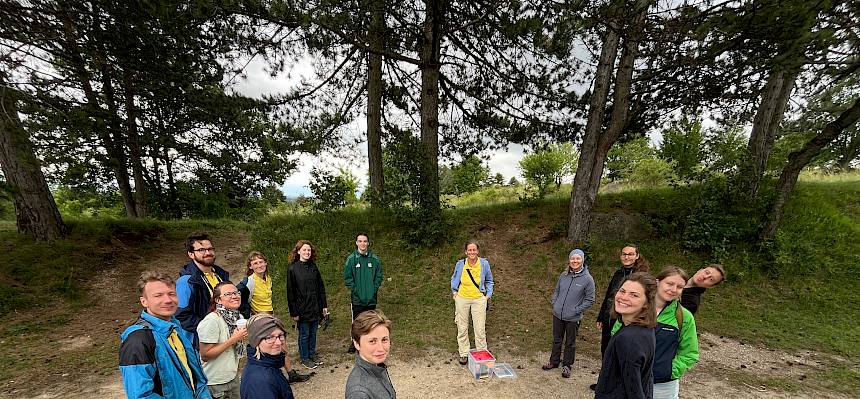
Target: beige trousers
[477, 308]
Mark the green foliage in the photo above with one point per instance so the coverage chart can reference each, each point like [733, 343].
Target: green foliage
[683, 147]
[84, 202]
[332, 192]
[725, 149]
[463, 178]
[636, 162]
[544, 169]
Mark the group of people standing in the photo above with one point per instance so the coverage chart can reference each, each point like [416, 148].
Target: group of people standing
[648, 332]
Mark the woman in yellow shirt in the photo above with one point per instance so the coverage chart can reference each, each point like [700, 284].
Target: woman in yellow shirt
[256, 287]
[471, 287]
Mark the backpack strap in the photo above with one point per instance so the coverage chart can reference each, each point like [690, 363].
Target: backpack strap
[679, 316]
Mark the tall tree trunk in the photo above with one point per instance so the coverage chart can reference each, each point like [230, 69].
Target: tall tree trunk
[798, 160]
[774, 99]
[851, 152]
[374, 103]
[114, 142]
[430, 69]
[136, 155]
[36, 212]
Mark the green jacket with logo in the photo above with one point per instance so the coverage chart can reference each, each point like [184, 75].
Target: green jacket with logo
[362, 274]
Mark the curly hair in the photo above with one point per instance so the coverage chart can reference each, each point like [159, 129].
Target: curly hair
[294, 254]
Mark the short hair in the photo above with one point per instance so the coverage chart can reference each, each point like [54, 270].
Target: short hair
[366, 321]
[720, 269]
[254, 255]
[647, 316]
[670, 271]
[362, 234]
[150, 276]
[294, 254]
[216, 293]
[194, 237]
[470, 242]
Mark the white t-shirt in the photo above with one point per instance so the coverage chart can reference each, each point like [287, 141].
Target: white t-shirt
[224, 368]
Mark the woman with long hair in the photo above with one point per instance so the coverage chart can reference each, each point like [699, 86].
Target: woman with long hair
[472, 288]
[307, 300]
[221, 333]
[677, 345]
[627, 369]
[631, 261]
[256, 287]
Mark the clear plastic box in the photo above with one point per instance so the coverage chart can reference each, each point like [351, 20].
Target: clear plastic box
[504, 370]
[481, 363]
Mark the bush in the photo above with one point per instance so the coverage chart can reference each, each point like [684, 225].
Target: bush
[332, 192]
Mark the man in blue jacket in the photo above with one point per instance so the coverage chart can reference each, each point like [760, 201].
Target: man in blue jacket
[156, 356]
[196, 280]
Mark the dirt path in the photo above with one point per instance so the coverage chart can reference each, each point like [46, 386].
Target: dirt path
[93, 334]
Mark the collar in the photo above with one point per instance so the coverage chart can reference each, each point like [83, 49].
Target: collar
[163, 327]
[378, 370]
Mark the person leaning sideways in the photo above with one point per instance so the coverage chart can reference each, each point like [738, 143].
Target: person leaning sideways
[196, 281]
[707, 277]
[369, 378]
[221, 335]
[156, 356]
[472, 288]
[256, 287]
[362, 275]
[627, 369]
[631, 261]
[572, 296]
[677, 347]
[262, 377]
[306, 299]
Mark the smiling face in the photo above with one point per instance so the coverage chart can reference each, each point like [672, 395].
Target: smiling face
[630, 298]
[305, 252]
[273, 343]
[575, 262]
[472, 252]
[669, 288]
[229, 296]
[629, 256]
[258, 265]
[203, 253]
[159, 299]
[707, 277]
[375, 345]
[361, 242]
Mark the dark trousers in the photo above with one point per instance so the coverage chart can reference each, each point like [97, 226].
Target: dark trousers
[560, 330]
[356, 310]
[605, 335]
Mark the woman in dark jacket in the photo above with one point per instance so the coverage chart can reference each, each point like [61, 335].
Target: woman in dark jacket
[627, 370]
[262, 377]
[306, 299]
[631, 261]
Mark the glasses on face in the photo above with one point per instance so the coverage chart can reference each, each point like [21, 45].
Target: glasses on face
[628, 254]
[204, 250]
[234, 293]
[271, 339]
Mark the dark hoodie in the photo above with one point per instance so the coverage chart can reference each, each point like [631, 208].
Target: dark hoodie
[263, 379]
[193, 295]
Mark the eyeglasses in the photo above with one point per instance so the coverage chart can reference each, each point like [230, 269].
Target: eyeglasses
[628, 254]
[234, 293]
[204, 250]
[271, 339]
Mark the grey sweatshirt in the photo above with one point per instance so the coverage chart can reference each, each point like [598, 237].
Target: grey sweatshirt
[573, 294]
[369, 381]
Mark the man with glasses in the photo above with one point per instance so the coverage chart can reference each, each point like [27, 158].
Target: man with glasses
[156, 357]
[197, 280]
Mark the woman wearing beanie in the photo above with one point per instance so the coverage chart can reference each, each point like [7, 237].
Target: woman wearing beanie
[573, 295]
[221, 333]
[306, 299]
[371, 338]
[262, 377]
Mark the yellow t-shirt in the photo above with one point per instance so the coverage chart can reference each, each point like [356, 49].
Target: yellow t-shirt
[177, 346]
[261, 298]
[467, 288]
[213, 280]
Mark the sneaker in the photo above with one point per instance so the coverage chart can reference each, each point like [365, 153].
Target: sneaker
[549, 366]
[463, 360]
[293, 376]
[317, 361]
[565, 372]
[308, 363]
[593, 387]
[351, 349]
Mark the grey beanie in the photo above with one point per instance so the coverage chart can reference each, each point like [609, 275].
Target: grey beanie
[260, 326]
[577, 251]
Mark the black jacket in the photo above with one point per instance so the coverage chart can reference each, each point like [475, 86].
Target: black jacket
[305, 291]
[614, 284]
[628, 364]
[691, 297]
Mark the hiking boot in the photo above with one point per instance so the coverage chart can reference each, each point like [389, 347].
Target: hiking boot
[565, 372]
[593, 387]
[308, 363]
[549, 366]
[293, 376]
[351, 349]
[317, 361]
[463, 360]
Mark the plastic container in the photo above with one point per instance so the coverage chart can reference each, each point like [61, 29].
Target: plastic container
[504, 370]
[481, 363]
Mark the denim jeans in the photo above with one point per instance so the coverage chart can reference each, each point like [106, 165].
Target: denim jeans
[308, 339]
